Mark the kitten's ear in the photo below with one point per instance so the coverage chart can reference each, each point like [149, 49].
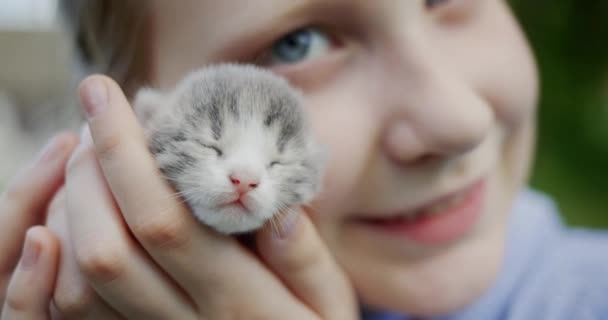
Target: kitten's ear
[147, 102]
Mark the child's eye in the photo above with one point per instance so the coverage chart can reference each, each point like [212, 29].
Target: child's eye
[298, 46]
[431, 4]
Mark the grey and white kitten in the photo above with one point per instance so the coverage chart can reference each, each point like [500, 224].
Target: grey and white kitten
[236, 144]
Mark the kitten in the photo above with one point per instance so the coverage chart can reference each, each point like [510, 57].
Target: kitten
[235, 143]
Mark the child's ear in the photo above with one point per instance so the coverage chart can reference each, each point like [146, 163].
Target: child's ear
[147, 102]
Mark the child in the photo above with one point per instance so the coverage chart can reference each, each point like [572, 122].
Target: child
[428, 108]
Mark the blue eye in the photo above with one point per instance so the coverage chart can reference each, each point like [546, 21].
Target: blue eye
[298, 46]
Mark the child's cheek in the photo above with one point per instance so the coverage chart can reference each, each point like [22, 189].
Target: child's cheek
[514, 91]
[508, 78]
[492, 55]
[346, 128]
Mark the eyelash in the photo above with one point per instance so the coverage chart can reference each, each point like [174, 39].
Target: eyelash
[454, 12]
[432, 4]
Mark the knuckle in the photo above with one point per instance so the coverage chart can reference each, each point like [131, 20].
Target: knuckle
[101, 264]
[302, 261]
[73, 303]
[107, 147]
[17, 192]
[166, 232]
[18, 301]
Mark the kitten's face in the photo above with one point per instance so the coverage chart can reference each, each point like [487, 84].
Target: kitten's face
[235, 160]
[281, 179]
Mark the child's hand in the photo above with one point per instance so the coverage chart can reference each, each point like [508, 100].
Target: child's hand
[159, 262]
[24, 202]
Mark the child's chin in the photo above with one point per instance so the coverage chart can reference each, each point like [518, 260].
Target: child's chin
[437, 285]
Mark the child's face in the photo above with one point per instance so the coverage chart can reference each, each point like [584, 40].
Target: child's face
[417, 100]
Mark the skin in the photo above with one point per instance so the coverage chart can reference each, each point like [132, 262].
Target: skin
[22, 205]
[436, 99]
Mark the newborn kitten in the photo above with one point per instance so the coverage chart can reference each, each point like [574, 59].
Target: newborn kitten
[235, 143]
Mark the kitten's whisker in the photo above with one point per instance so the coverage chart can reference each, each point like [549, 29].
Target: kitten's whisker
[181, 195]
[274, 226]
[285, 216]
[282, 220]
[170, 196]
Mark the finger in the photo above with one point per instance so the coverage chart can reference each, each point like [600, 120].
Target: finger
[24, 202]
[157, 219]
[112, 262]
[73, 298]
[29, 292]
[299, 257]
[213, 269]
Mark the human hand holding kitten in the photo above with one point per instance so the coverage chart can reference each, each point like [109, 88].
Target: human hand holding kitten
[118, 220]
[235, 143]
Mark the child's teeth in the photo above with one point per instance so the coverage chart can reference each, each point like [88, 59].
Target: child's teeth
[435, 209]
[441, 207]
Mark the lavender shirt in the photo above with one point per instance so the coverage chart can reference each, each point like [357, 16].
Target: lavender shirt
[550, 271]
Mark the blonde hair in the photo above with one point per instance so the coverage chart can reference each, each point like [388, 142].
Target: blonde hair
[109, 37]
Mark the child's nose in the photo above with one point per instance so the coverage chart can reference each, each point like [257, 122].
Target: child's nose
[244, 182]
[441, 114]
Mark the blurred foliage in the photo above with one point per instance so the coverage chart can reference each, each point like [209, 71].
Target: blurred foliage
[570, 40]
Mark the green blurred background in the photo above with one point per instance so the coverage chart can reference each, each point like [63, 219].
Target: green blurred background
[570, 40]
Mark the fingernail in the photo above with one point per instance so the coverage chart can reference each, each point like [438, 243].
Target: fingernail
[31, 253]
[94, 96]
[288, 225]
[50, 151]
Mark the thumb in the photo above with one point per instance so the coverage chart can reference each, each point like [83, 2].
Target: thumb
[294, 251]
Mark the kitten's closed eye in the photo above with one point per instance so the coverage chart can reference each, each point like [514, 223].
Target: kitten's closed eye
[274, 163]
[216, 149]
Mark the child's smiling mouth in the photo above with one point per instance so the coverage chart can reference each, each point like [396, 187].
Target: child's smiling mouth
[441, 221]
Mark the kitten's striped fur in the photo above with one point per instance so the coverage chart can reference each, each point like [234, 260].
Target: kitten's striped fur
[233, 117]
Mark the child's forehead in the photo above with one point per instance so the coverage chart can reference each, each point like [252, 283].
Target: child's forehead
[250, 11]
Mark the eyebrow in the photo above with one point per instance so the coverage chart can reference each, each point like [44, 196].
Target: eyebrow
[317, 7]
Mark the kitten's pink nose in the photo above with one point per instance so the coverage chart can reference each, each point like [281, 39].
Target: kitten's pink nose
[244, 182]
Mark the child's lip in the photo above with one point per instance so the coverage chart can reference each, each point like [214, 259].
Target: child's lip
[412, 210]
[453, 215]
